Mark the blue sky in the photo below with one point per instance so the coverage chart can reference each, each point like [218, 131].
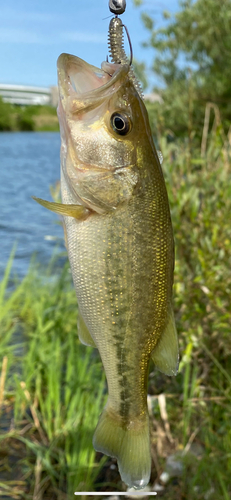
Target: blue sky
[34, 33]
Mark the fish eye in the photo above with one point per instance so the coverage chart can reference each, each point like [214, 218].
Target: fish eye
[121, 124]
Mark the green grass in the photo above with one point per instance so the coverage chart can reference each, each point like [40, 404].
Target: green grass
[200, 411]
[54, 384]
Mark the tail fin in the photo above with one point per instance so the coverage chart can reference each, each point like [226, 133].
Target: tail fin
[130, 445]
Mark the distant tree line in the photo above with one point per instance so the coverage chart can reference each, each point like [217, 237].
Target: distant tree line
[27, 118]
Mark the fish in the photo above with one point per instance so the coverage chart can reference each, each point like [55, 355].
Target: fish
[120, 245]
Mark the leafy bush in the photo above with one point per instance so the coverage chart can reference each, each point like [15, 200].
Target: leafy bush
[5, 116]
[27, 118]
[200, 198]
[25, 121]
[191, 52]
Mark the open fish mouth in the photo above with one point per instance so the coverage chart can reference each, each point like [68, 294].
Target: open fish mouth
[79, 80]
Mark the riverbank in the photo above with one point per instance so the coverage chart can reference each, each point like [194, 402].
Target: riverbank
[27, 118]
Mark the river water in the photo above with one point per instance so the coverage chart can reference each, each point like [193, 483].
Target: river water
[29, 164]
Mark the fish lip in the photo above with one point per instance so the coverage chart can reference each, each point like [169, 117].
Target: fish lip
[70, 66]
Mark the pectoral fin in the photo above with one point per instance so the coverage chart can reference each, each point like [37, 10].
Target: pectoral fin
[77, 211]
[83, 332]
[165, 355]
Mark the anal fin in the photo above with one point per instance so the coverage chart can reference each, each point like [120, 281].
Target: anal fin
[83, 332]
[165, 355]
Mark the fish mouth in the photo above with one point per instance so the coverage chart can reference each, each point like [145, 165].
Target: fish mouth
[82, 82]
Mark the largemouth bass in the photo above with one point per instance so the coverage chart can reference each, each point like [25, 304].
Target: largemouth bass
[120, 245]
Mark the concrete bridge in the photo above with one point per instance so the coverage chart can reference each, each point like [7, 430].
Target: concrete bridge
[24, 95]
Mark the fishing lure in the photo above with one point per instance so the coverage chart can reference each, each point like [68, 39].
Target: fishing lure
[117, 52]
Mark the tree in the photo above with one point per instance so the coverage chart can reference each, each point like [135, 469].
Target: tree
[193, 59]
[5, 116]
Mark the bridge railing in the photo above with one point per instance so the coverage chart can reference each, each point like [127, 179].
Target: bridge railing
[28, 95]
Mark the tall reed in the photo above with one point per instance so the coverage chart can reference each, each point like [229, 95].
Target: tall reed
[56, 385]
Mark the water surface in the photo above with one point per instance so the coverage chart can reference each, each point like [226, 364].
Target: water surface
[29, 164]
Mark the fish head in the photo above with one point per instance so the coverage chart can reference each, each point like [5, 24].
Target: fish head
[102, 121]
